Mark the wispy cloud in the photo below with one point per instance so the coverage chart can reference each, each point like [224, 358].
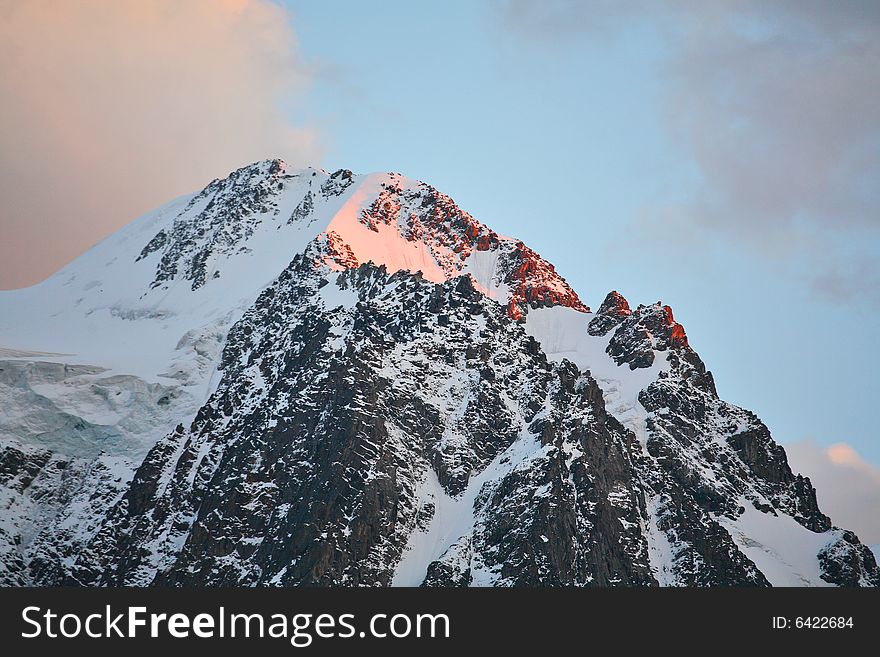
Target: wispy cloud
[780, 104]
[848, 487]
[109, 108]
[777, 104]
[552, 19]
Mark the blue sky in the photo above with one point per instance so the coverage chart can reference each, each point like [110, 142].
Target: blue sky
[560, 133]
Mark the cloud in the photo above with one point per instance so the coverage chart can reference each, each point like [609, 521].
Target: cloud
[847, 486]
[854, 280]
[109, 108]
[551, 19]
[777, 106]
[780, 105]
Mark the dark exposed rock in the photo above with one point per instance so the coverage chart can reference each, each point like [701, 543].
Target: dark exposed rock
[642, 332]
[304, 209]
[231, 208]
[305, 466]
[768, 461]
[614, 309]
[338, 182]
[453, 568]
[18, 468]
[846, 562]
[572, 516]
[54, 484]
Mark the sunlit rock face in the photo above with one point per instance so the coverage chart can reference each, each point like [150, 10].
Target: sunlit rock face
[294, 377]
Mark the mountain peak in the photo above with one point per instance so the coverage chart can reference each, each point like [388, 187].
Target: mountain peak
[614, 309]
[659, 319]
[614, 304]
[384, 218]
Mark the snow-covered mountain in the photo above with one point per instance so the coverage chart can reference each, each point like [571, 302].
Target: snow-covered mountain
[295, 377]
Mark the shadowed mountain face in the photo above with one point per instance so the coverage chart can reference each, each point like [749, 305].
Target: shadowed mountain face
[298, 378]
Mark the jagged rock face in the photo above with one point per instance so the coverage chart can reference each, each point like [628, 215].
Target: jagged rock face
[640, 334]
[303, 468]
[570, 514]
[341, 391]
[453, 569]
[534, 283]
[219, 220]
[226, 214]
[467, 424]
[614, 309]
[52, 505]
[424, 214]
[846, 562]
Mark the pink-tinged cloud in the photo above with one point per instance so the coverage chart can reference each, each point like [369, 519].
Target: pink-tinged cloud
[109, 108]
[844, 455]
[847, 486]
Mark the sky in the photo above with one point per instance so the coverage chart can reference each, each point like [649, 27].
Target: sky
[723, 157]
